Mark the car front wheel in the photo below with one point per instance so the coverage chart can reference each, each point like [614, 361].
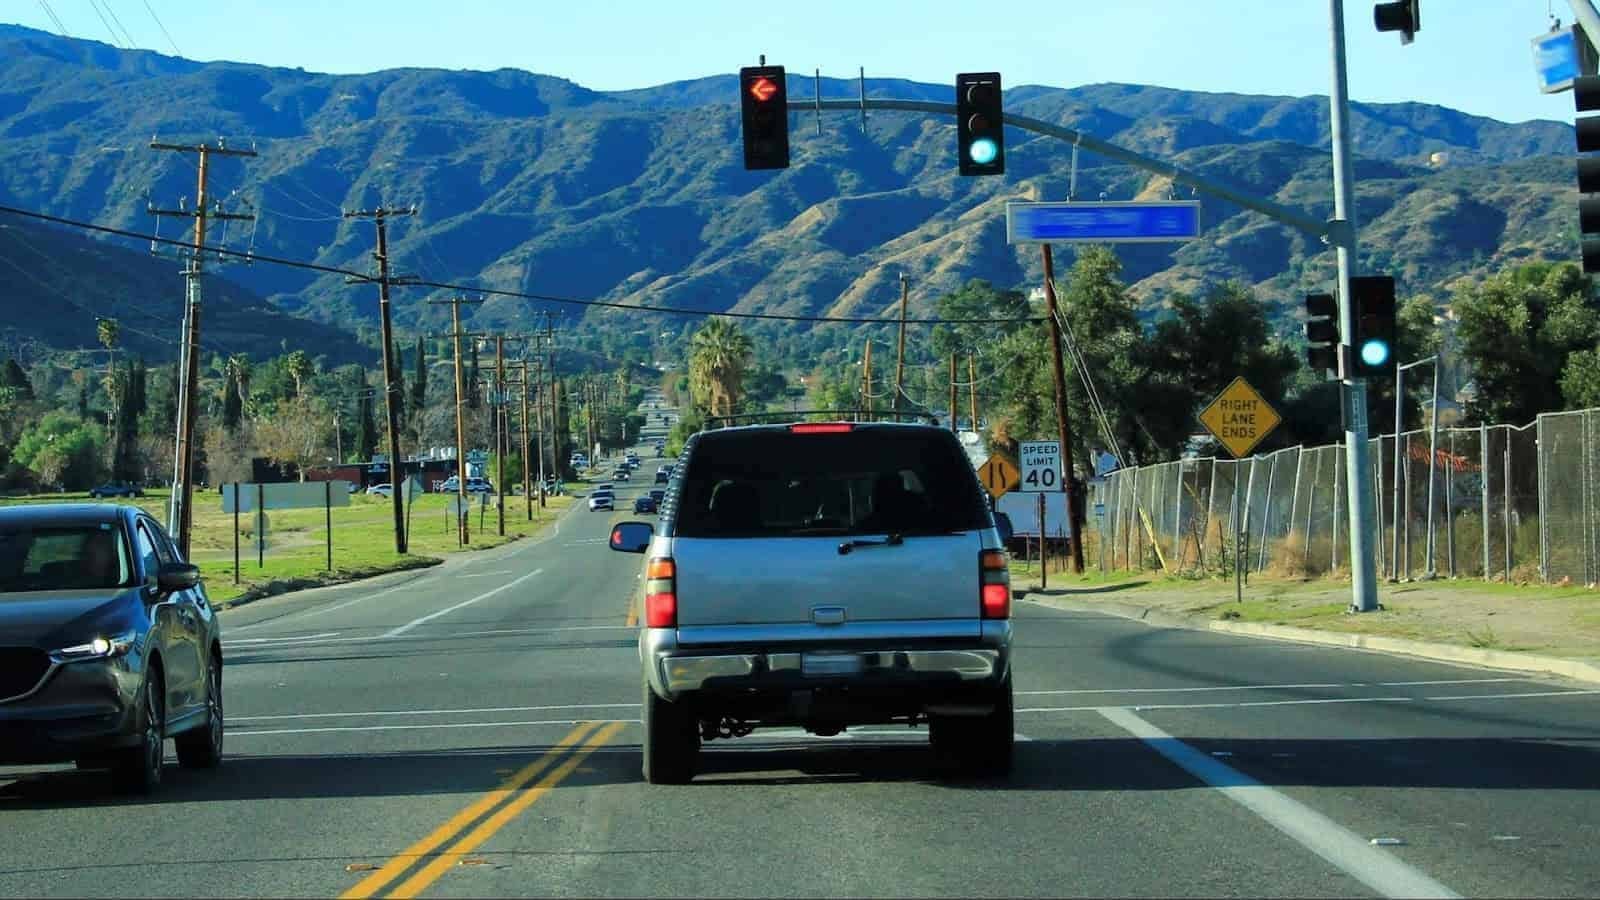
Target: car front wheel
[201, 748]
[138, 768]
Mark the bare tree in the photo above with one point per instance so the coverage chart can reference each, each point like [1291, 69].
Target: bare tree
[295, 434]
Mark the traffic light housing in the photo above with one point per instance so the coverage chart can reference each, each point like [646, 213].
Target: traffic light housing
[1586, 98]
[764, 117]
[1404, 16]
[1373, 343]
[980, 129]
[1322, 333]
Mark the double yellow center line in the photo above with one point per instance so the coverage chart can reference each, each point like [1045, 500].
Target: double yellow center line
[553, 769]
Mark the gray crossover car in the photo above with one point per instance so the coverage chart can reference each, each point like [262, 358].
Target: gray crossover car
[108, 646]
[823, 575]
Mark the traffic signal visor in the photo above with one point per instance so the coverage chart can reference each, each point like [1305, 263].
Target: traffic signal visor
[1404, 16]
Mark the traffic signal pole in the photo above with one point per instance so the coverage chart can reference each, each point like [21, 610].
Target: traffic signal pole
[1342, 234]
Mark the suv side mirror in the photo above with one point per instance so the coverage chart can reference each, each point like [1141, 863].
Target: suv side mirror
[177, 576]
[1002, 524]
[632, 537]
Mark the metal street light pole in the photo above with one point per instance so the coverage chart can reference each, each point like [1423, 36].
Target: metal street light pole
[1342, 234]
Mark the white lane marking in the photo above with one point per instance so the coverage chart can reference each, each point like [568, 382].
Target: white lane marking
[313, 613]
[1184, 690]
[1273, 687]
[1380, 871]
[396, 632]
[287, 637]
[1319, 700]
[427, 726]
[1513, 696]
[433, 712]
[291, 643]
[484, 574]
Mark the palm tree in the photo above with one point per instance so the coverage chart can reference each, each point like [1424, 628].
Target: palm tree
[300, 369]
[238, 369]
[108, 331]
[719, 354]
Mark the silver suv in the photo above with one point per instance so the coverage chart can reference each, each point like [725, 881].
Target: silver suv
[823, 575]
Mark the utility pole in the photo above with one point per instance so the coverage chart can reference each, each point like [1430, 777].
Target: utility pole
[900, 351]
[1342, 234]
[391, 398]
[553, 399]
[954, 416]
[499, 407]
[463, 530]
[866, 380]
[1059, 374]
[972, 388]
[525, 443]
[179, 515]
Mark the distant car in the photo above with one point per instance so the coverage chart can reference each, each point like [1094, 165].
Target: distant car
[601, 501]
[115, 489]
[474, 486]
[621, 475]
[645, 504]
[604, 487]
[381, 490]
[111, 645]
[658, 494]
[663, 475]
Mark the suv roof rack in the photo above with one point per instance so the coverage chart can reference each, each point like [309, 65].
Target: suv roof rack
[859, 415]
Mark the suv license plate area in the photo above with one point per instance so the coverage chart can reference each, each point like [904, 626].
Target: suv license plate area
[830, 664]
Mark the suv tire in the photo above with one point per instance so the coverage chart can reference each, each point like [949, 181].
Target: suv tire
[982, 745]
[137, 770]
[201, 748]
[671, 741]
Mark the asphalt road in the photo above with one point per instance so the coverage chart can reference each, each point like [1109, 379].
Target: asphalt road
[471, 731]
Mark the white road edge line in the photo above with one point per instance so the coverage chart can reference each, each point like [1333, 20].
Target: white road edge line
[1274, 687]
[281, 638]
[1317, 701]
[396, 632]
[1378, 870]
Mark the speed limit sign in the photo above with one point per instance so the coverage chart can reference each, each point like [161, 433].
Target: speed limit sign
[1041, 466]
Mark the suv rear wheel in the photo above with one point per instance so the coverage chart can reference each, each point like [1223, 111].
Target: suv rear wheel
[671, 741]
[981, 744]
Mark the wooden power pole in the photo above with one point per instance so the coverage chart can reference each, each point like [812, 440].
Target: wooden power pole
[1059, 373]
[954, 426]
[866, 380]
[391, 389]
[180, 515]
[972, 388]
[463, 529]
[900, 350]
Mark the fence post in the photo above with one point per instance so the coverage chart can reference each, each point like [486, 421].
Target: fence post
[1249, 492]
[1544, 506]
[1483, 466]
[1380, 564]
[1211, 507]
[1311, 505]
[1405, 519]
[1449, 506]
[1178, 546]
[1266, 512]
[1338, 450]
[1294, 496]
[1505, 504]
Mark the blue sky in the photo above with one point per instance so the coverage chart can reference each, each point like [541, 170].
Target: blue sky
[1472, 55]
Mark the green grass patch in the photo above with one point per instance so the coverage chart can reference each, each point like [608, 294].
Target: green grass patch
[296, 553]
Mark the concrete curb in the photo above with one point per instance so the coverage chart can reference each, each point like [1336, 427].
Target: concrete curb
[1575, 669]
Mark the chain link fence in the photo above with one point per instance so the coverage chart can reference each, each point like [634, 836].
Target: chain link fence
[1496, 502]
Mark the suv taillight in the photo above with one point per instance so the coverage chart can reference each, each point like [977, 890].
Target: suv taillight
[994, 585]
[661, 593]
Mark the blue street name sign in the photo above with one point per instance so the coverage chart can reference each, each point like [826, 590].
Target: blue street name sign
[1102, 222]
[1560, 56]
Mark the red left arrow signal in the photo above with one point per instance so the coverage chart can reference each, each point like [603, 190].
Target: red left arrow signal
[763, 89]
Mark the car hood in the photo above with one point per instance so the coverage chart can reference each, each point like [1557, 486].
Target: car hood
[48, 618]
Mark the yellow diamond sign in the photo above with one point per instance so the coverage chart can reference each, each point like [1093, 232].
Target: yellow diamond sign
[1240, 418]
[998, 475]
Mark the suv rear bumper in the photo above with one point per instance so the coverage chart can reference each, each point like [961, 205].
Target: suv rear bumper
[674, 671]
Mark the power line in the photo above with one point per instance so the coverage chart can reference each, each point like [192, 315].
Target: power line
[523, 295]
[52, 14]
[163, 28]
[115, 41]
[113, 14]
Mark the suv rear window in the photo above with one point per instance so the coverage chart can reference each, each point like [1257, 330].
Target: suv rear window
[872, 480]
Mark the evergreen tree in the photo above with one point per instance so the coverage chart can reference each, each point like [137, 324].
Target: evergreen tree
[419, 382]
[17, 379]
[366, 428]
[472, 379]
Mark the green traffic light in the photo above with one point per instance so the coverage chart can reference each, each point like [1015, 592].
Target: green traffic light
[1374, 353]
[983, 151]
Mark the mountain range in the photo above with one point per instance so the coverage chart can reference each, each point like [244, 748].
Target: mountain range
[531, 183]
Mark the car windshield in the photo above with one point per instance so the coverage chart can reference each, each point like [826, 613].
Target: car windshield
[77, 557]
[870, 481]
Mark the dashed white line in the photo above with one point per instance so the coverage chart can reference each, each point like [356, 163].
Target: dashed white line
[1378, 870]
[396, 632]
[433, 712]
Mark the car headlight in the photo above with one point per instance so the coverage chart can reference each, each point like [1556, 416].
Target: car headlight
[102, 647]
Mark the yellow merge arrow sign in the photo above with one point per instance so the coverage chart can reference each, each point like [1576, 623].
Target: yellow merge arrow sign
[998, 475]
[1240, 418]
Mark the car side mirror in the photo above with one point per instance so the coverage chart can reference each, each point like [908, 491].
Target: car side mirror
[1002, 524]
[177, 576]
[632, 537]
